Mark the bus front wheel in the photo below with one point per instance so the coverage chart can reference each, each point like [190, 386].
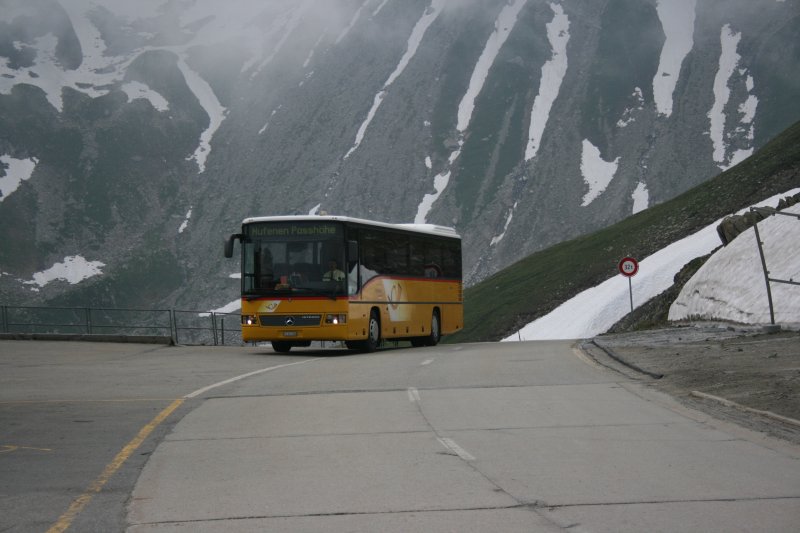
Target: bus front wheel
[373, 333]
[281, 346]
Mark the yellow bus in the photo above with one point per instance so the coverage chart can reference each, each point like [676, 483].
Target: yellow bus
[332, 278]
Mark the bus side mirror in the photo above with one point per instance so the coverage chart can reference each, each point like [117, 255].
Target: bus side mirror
[352, 251]
[229, 244]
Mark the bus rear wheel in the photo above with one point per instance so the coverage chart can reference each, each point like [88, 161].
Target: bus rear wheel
[436, 330]
[435, 335]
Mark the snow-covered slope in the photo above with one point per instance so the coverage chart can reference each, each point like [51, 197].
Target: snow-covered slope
[729, 286]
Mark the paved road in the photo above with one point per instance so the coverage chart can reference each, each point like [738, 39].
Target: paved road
[68, 410]
[504, 437]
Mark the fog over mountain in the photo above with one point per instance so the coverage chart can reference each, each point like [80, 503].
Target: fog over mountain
[135, 136]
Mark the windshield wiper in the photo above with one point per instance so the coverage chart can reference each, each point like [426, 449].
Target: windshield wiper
[283, 290]
[330, 294]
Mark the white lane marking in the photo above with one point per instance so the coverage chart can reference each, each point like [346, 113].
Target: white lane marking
[413, 395]
[730, 403]
[426, 362]
[451, 445]
[198, 392]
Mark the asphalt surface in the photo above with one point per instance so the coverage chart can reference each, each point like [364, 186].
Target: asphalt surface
[509, 437]
[68, 409]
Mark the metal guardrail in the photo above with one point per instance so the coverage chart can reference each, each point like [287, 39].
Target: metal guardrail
[182, 326]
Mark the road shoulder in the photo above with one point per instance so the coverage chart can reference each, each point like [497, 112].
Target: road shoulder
[736, 374]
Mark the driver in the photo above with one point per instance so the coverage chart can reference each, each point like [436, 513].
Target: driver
[333, 273]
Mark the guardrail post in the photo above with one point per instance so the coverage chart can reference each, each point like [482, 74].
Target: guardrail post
[5, 318]
[766, 273]
[214, 327]
[223, 332]
[173, 325]
[88, 321]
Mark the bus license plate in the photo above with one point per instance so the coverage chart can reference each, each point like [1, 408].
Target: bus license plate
[290, 334]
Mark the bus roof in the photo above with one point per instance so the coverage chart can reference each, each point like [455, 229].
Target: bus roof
[431, 229]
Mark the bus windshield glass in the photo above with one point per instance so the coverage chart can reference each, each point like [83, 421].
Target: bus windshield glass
[300, 258]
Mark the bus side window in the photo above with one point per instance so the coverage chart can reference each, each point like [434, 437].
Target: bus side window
[451, 267]
[396, 253]
[416, 258]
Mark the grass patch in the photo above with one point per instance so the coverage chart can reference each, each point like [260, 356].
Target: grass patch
[536, 285]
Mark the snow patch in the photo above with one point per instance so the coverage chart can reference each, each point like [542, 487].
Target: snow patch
[231, 307]
[285, 17]
[17, 171]
[628, 116]
[641, 198]
[137, 90]
[597, 173]
[73, 270]
[312, 51]
[553, 72]
[440, 182]
[677, 20]
[185, 222]
[208, 101]
[353, 21]
[414, 41]
[728, 63]
[502, 28]
[379, 8]
[266, 125]
[499, 238]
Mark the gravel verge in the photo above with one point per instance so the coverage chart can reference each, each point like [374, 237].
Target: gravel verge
[737, 373]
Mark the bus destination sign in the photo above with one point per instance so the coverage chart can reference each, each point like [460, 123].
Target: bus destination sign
[291, 230]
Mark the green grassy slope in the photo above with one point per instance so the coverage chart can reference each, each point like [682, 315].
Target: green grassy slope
[536, 285]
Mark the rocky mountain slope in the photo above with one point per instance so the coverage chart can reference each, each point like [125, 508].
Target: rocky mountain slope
[135, 136]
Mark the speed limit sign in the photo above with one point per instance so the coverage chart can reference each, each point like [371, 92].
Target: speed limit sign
[628, 267]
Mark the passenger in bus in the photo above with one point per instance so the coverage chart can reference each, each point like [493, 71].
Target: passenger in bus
[432, 270]
[333, 273]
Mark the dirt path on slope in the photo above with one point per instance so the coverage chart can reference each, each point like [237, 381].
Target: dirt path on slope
[702, 366]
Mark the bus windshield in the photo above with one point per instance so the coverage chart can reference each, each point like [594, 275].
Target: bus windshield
[300, 258]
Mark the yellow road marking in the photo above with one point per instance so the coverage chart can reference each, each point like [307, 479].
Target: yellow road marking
[111, 468]
[120, 400]
[5, 448]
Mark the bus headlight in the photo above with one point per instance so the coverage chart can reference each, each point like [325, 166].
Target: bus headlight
[249, 320]
[336, 319]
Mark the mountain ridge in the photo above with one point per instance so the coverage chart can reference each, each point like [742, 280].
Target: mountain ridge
[181, 120]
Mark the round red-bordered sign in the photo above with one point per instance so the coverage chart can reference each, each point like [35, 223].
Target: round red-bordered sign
[628, 266]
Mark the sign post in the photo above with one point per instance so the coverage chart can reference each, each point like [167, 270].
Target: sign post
[628, 267]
